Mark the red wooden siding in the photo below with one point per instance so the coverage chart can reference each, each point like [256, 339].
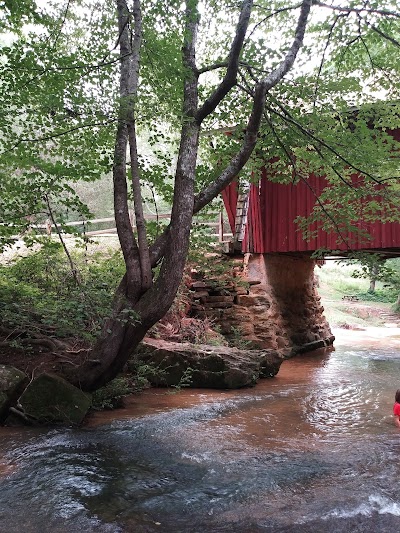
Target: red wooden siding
[273, 207]
[282, 204]
[230, 198]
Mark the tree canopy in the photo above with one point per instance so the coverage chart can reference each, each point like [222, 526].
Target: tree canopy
[305, 86]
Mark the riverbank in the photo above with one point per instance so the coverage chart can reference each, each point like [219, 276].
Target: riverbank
[49, 349]
[311, 450]
[372, 335]
[346, 300]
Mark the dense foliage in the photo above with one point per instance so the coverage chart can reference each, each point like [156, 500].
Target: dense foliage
[38, 292]
[59, 65]
[375, 267]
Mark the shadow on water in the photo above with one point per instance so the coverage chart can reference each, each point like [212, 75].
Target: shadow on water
[314, 449]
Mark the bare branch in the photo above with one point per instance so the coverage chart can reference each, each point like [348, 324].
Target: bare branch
[224, 64]
[383, 12]
[215, 66]
[271, 15]
[74, 270]
[384, 35]
[64, 18]
[328, 40]
[290, 157]
[56, 135]
[288, 117]
[328, 215]
[55, 68]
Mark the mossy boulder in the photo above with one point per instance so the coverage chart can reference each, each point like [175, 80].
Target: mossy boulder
[49, 399]
[12, 382]
[215, 367]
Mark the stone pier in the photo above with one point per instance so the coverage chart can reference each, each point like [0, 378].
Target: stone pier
[275, 305]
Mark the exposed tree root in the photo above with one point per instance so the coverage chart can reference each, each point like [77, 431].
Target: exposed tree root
[35, 350]
[14, 337]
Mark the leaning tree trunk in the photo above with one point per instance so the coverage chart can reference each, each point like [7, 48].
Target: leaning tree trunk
[140, 302]
[136, 312]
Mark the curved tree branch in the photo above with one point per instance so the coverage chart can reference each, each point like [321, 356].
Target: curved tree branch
[384, 12]
[288, 118]
[250, 137]
[387, 37]
[74, 270]
[229, 79]
[292, 162]
[328, 40]
[271, 15]
[253, 125]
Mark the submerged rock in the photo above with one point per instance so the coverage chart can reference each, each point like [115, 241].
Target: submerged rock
[215, 367]
[12, 382]
[50, 399]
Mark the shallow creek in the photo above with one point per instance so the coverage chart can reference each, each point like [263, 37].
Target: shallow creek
[314, 449]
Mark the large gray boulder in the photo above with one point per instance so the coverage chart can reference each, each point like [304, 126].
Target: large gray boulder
[12, 382]
[214, 367]
[50, 399]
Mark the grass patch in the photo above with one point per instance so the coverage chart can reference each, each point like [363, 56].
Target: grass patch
[336, 281]
[336, 284]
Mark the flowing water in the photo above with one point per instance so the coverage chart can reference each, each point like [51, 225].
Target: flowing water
[314, 449]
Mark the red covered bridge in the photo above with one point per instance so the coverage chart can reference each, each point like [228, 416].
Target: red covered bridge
[282, 306]
[266, 222]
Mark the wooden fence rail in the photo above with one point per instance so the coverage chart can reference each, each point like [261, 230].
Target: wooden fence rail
[219, 226]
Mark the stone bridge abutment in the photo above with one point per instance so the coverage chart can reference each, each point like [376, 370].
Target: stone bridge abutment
[274, 305]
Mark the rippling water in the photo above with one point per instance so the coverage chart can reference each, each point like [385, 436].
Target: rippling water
[314, 449]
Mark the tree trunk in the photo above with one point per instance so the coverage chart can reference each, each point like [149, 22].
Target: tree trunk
[374, 276]
[138, 304]
[137, 307]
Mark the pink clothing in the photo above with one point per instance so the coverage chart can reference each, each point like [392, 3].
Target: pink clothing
[396, 409]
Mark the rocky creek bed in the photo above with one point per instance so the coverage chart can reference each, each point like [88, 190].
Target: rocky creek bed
[49, 399]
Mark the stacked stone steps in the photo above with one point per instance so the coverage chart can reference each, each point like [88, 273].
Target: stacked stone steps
[232, 306]
[213, 294]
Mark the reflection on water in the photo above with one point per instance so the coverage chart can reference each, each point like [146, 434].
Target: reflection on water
[314, 449]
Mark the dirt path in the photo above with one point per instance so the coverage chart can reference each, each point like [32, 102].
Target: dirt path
[350, 314]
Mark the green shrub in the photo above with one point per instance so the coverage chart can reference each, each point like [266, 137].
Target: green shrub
[385, 295]
[111, 395]
[39, 291]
